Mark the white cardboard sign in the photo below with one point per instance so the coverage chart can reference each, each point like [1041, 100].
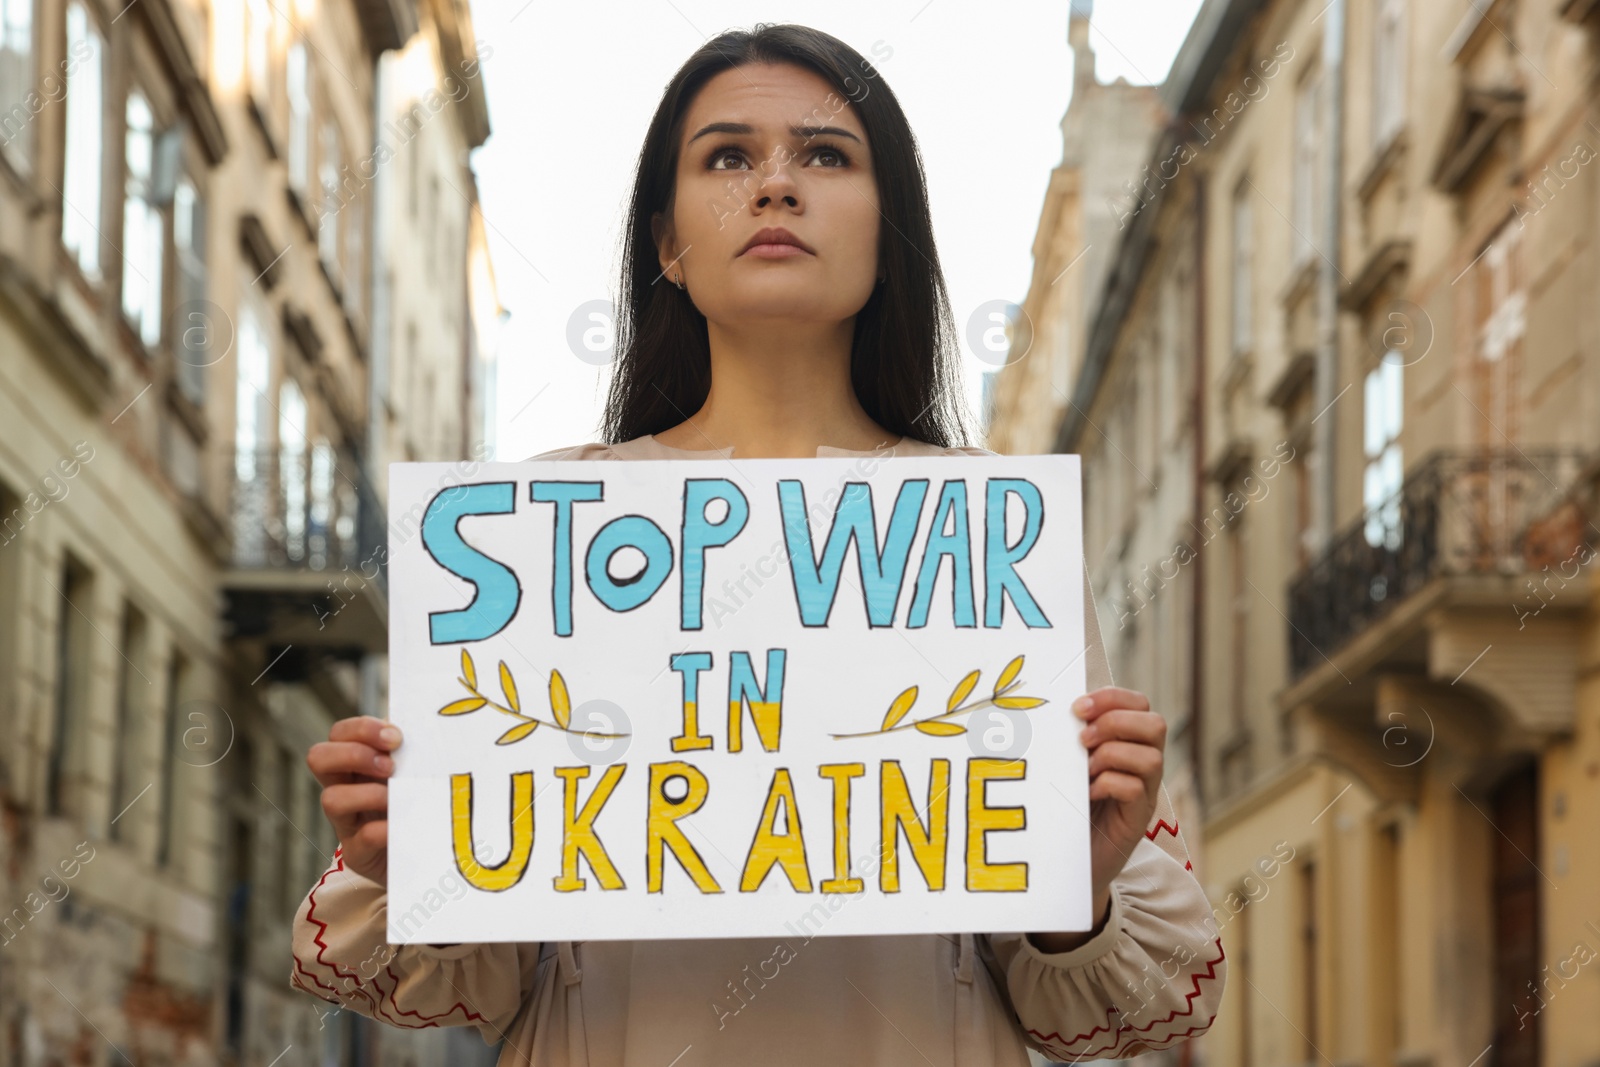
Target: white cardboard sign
[676, 699]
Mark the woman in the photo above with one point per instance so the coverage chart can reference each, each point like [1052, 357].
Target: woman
[782, 297]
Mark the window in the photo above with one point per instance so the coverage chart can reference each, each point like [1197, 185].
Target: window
[1123, 433]
[250, 422]
[297, 78]
[292, 466]
[1307, 177]
[1500, 300]
[1304, 535]
[1144, 418]
[353, 267]
[329, 211]
[431, 223]
[252, 491]
[240, 912]
[1309, 946]
[258, 51]
[142, 235]
[81, 169]
[1239, 624]
[1381, 443]
[409, 404]
[1168, 415]
[1243, 264]
[195, 339]
[1388, 70]
[171, 819]
[413, 172]
[286, 893]
[321, 518]
[1387, 904]
[63, 765]
[129, 744]
[16, 77]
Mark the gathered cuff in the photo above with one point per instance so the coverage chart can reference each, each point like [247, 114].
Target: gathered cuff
[1092, 949]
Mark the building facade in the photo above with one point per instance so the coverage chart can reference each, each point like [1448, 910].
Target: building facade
[1374, 228]
[191, 578]
[1105, 135]
[1093, 200]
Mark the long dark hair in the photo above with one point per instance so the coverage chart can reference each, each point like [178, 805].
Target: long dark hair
[903, 358]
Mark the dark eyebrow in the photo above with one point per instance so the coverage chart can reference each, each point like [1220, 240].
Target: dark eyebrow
[807, 132]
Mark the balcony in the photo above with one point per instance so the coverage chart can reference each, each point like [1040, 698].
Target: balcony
[308, 562]
[1484, 521]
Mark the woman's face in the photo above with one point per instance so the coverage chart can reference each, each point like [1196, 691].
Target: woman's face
[772, 146]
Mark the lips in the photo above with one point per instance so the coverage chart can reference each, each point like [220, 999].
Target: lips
[775, 235]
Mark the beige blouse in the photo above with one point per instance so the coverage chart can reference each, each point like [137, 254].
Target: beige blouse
[1151, 978]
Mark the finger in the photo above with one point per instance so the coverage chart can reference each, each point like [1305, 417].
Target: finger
[1127, 757]
[348, 801]
[1115, 785]
[1091, 705]
[348, 758]
[333, 762]
[1143, 727]
[368, 730]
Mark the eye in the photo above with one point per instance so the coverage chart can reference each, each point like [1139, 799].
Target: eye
[722, 152]
[831, 150]
[719, 153]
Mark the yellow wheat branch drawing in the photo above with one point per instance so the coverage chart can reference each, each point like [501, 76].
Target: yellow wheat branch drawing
[560, 703]
[940, 725]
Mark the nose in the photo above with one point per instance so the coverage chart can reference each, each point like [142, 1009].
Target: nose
[780, 185]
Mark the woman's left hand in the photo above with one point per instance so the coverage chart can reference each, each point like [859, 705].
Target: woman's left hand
[1125, 740]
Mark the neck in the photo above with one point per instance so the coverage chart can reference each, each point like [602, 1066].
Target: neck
[779, 390]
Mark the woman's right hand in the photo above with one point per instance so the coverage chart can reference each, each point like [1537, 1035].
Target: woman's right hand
[354, 766]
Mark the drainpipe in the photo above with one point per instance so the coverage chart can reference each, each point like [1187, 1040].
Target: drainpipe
[1328, 354]
[1327, 366]
[373, 685]
[1197, 401]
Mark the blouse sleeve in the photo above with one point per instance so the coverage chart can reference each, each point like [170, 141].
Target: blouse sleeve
[1152, 977]
[342, 955]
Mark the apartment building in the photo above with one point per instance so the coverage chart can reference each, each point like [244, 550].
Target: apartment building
[1105, 135]
[1093, 199]
[1374, 230]
[191, 574]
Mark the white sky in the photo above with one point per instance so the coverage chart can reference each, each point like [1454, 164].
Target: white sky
[571, 88]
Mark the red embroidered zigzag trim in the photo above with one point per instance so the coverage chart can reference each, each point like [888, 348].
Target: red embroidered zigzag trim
[1188, 1000]
[322, 945]
[1156, 1044]
[377, 1003]
[1161, 824]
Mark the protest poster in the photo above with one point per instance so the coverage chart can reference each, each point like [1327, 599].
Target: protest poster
[690, 698]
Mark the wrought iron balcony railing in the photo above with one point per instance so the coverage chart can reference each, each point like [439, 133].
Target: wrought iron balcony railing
[306, 508]
[1479, 512]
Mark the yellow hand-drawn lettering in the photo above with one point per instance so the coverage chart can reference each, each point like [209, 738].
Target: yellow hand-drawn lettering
[510, 871]
[577, 830]
[928, 843]
[663, 830]
[982, 876]
[771, 847]
[840, 774]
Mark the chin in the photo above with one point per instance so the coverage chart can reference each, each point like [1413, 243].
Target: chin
[782, 307]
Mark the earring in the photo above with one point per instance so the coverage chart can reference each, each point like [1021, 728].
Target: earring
[677, 279]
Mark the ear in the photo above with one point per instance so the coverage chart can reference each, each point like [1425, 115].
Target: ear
[665, 240]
